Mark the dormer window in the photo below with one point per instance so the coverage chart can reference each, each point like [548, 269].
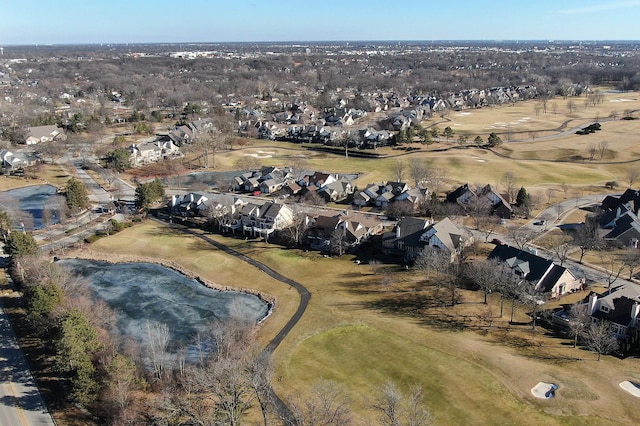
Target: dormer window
[604, 309]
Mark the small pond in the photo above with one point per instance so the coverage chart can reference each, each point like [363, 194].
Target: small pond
[33, 207]
[141, 292]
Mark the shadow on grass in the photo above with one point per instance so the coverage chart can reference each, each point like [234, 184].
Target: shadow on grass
[417, 306]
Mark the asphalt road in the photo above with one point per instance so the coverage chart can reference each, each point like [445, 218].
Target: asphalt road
[20, 401]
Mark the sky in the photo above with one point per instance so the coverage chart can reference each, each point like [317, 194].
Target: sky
[160, 21]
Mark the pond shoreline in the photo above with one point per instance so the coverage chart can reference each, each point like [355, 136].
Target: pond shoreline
[88, 254]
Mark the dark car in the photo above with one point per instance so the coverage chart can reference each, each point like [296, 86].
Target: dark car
[497, 242]
[540, 222]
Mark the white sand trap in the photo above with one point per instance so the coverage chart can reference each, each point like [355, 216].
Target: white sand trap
[632, 388]
[257, 156]
[266, 152]
[622, 100]
[462, 114]
[479, 160]
[544, 390]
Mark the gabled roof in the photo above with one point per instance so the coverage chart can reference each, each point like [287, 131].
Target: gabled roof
[628, 221]
[43, 131]
[448, 233]
[534, 266]
[620, 313]
[453, 196]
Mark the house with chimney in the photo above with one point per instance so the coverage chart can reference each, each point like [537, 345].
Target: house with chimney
[411, 236]
[619, 307]
[547, 277]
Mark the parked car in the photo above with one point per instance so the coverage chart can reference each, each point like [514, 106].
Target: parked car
[497, 242]
[540, 222]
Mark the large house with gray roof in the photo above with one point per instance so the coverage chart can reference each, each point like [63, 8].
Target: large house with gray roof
[543, 274]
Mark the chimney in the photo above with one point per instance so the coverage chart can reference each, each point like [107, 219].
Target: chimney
[398, 231]
[593, 298]
[635, 311]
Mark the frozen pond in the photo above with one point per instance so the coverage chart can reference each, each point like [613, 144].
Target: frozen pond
[141, 292]
[34, 206]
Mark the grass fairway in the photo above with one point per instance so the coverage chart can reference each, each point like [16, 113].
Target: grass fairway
[361, 333]
[536, 162]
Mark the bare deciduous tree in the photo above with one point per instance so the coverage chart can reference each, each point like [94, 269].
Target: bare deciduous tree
[433, 260]
[521, 237]
[419, 172]
[632, 175]
[603, 146]
[600, 339]
[398, 169]
[586, 238]
[510, 184]
[397, 409]
[631, 260]
[561, 246]
[578, 321]
[613, 268]
[485, 274]
[592, 150]
[157, 338]
[327, 405]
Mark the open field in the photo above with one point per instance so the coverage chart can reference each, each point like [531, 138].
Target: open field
[522, 118]
[361, 333]
[539, 163]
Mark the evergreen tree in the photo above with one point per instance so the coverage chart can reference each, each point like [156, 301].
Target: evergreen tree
[148, 193]
[6, 223]
[119, 160]
[448, 133]
[20, 244]
[77, 195]
[523, 199]
[494, 139]
[77, 344]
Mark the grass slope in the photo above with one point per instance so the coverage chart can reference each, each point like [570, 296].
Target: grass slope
[360, 332]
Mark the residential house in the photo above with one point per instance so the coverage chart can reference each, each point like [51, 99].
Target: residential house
[543, 274]
[382, 194]
[500, 207]
[464, 196]
[336, 191]
[266, 218]
[626, 229]
[354, 228]
[186, 205]
[12, 161]
[619, 307]
[38, 134]
[270, 186]
[411, 236]
[151, 150]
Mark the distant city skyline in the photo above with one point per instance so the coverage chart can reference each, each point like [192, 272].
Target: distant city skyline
[163, 21]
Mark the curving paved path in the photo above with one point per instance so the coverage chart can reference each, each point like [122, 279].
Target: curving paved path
[305, 296]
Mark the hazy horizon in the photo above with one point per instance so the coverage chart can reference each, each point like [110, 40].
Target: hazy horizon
[41, 22]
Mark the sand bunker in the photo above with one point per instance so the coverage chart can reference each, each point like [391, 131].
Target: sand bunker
[544, 390]
[632, 388]
[462, 114]
[622, 100]
[257, 156]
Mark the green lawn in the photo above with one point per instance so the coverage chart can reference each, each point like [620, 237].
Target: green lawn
[352, 333]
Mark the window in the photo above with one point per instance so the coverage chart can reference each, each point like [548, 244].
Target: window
[604, 308]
